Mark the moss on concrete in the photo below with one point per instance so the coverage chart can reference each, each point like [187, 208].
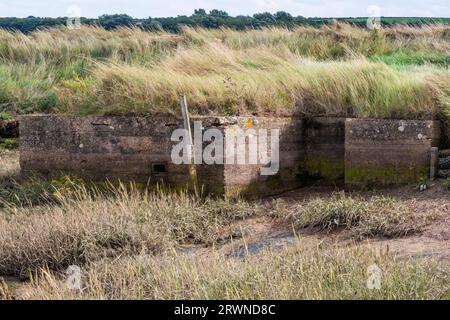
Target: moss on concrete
[320, 171]
[273, 185]
[366, 178]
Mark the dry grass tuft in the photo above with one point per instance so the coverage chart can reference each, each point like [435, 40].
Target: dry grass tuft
[5, 291]
[294, 273]
[373, 217]
[85, 227]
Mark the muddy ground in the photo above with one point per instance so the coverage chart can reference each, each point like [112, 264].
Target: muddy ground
[253, 235]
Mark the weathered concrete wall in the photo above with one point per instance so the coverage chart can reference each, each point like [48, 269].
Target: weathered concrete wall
[311, 151]
[325, 151]
[362, 153]
[381, 153]
[128, 148]
[246, 179]
[115, 148]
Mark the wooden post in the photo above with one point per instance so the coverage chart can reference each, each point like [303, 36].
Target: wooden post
[185, 114]
[187, 126]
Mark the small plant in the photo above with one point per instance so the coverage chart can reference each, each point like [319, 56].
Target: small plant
[66, 186]
[5, 116]
[8, 144]
[29, 193]
[447, 183]
[422, 185]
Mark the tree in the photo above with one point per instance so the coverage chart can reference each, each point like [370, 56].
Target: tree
[200, 12]
[218, 13]
[115, 20]
[151, 25]
[215, 19]
[283, 16]
[265, 18]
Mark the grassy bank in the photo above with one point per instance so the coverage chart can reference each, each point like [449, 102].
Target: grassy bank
[264, 81]
[333, 70]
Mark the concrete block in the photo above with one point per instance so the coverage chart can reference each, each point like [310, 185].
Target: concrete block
[381, 153]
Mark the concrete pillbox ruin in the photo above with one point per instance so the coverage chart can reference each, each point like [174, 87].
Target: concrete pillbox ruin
[381, 153]
[317, 151]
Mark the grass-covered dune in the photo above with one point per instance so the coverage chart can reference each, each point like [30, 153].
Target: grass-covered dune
[333, 70]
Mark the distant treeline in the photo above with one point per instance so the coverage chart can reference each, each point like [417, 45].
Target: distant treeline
[200, 18]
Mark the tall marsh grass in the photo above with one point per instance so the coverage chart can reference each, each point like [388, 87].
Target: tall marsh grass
[293, 273]
[87, 225]
[340, 41]
[332, 70]
[219, 80]
[59, 46]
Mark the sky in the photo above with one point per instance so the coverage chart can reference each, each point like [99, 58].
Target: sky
[158, 8]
